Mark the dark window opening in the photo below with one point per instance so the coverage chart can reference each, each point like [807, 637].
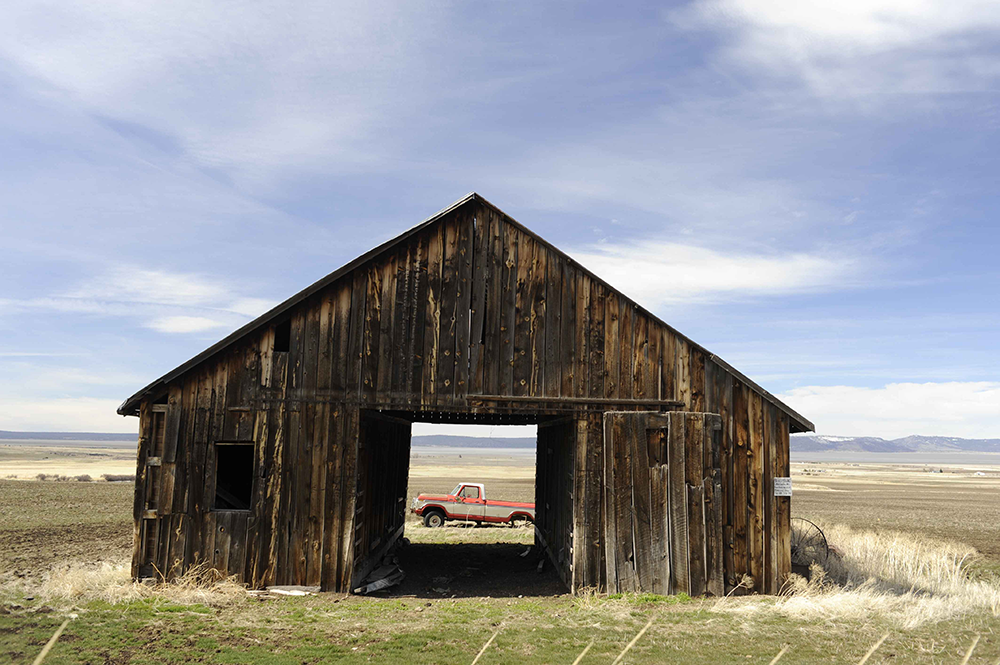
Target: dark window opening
[233, 476]
[282, 336]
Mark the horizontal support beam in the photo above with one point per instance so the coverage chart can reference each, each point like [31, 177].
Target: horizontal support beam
[602, 401]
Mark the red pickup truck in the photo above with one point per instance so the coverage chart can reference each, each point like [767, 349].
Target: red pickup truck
[468, 502]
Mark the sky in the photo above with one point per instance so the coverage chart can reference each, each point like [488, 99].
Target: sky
[809, 192]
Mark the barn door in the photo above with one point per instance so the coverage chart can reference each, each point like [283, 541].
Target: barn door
[663, 494]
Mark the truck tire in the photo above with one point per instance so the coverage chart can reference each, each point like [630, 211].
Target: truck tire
[433, 519]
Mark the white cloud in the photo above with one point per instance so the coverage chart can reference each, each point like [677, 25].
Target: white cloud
[859, 46]
[184, 324]
[962, 409]
[76, 414]
[165, 301]
[670, 273]
[139, 285]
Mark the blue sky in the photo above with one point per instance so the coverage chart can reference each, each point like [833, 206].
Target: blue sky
[808, 192]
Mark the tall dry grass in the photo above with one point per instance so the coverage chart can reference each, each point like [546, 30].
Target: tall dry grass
[112, 582]
[905, 580]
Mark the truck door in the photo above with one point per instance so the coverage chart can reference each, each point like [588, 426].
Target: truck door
[473, 503]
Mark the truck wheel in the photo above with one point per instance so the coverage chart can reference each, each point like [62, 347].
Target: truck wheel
[434, 519]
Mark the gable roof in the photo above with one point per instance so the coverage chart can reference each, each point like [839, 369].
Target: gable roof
[130, 406]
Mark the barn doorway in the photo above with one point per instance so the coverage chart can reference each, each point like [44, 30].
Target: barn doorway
[466, 555]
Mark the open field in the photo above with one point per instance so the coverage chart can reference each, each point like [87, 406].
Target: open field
[27, 459]
[464, 584]
[954, 505]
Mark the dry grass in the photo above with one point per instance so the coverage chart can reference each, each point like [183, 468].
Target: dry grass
[111, 582]
[904, 580]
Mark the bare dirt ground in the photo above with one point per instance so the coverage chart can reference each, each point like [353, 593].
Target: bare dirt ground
[43, 524]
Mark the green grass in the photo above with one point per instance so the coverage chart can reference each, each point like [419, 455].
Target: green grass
[332, 628]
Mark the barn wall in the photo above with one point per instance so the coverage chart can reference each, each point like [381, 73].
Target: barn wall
[469, 311]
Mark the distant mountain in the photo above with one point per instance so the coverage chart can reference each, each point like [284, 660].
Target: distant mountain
[473, 441]
[67, 436]
[809, 443]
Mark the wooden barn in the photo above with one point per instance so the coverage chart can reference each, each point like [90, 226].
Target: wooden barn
[280, 455]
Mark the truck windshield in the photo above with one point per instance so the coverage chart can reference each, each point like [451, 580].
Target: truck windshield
[454, 492]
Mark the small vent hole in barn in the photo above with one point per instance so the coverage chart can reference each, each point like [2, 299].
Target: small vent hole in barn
[470, 554]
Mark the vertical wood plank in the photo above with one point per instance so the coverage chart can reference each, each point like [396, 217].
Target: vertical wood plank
[481, 270]
[539, 321]
[583, 330]
[694, 477]
[419, 304]
[610, 511]
[612, 340]
[554, 290]
[659, 481]
[625, 360]
[324, 369]
[680, 547]
[668, 366]
[770, 533]
[356, 338]
[388, 356]
[783, 509]
[641, 375]
[595, 347]
[523, 313]
[449, 303]
[741, 482]
[401, 356]
[342, 359]
[755, 462]
[696, 378]
[508, 311]
[494, 274]
[568, 333]
[463, 303]
[372, 333]
[432, 320]
[642, 521]
[683, 373]
[311, 346]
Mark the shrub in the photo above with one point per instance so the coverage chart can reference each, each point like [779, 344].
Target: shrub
[118, 478]
[83, 478]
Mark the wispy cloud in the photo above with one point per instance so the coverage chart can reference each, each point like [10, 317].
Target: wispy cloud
[852, 47]
[663, 273]
[168, 302]
[184, 324]
[965, 409]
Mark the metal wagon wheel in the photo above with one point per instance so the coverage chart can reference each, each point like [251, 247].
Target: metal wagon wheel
[808, 543]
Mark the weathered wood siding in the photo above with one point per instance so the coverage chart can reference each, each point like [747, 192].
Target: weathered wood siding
[471, 315]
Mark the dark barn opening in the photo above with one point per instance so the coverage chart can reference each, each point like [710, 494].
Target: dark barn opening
[468, 566]
[656, 460]
[233, 476]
